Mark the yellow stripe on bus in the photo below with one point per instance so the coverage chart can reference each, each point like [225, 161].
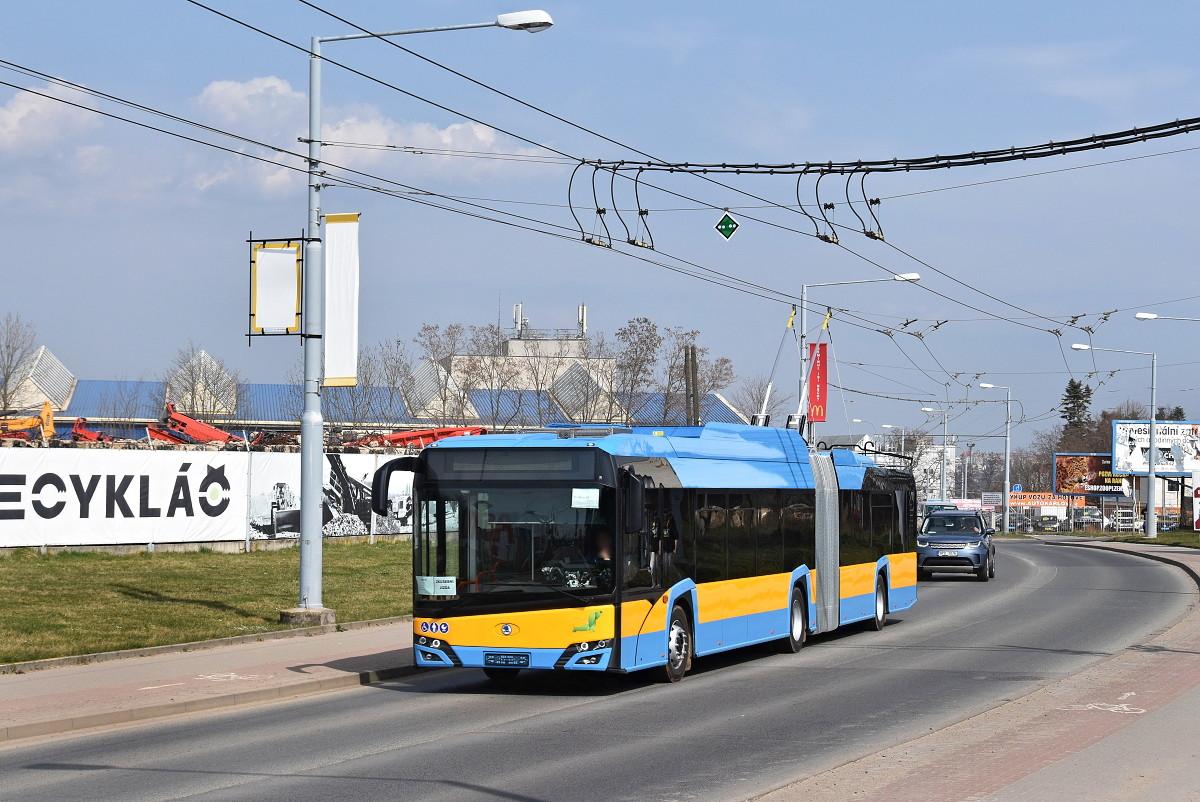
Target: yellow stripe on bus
[903, 569]
[531, 629]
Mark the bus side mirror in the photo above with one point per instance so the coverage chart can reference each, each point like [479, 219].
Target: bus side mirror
[635, 503]
[383, 479]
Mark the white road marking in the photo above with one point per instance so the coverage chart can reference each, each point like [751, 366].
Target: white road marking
[1106, 707]
[156, 687]
[227, 676]
[1125, 696]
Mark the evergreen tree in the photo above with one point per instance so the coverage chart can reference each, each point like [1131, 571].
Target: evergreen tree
[1076, 413]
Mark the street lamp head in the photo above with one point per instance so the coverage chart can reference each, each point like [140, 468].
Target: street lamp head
[987, 386]
[531, 21]
[887, 426]
[907, 277]
[1080, 347]
[1146, 316]
[856, 420]
[928, 409]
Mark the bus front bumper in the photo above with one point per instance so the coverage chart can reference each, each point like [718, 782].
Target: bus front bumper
[584, 656]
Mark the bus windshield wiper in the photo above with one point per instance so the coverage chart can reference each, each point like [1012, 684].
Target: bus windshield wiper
[582, 602]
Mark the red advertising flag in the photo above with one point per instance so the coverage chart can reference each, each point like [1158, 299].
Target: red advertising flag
[818, 383]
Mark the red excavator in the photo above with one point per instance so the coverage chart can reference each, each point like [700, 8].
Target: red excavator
[80, 433]
[183, 429]
[415, 439]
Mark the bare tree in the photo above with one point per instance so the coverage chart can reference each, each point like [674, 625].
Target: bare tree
[201, 385]
[545, 363]
[638, 342]
[711, 374]
[435, 388]
[396, 376]
[748, 397]
[18, 343]
[488, 368]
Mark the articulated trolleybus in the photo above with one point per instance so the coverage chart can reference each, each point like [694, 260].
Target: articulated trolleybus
[618, 550]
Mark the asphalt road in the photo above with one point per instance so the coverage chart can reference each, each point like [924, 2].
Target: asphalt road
[741, 723]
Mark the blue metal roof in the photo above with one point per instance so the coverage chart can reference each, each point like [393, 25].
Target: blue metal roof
[117, 398]
[651, 408]
[516, 408]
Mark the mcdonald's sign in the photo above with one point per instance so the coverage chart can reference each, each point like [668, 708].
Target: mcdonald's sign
[818, 383]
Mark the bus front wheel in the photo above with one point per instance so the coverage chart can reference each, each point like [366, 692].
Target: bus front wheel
[679, 645]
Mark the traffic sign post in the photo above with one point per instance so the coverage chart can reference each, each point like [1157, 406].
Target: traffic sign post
[726, 226]
[1018, 489]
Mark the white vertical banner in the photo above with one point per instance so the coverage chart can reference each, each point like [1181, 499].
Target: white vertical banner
[341, 300]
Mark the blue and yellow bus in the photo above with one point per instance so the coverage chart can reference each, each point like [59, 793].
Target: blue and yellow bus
[619, 550]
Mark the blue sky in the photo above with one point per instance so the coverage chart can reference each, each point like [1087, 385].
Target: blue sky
[141, 238]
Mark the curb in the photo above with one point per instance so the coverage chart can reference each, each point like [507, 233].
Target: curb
[38, 728]
[195, 646]
[1162, 558]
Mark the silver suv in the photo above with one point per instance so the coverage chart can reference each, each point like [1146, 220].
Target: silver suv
[956, 541]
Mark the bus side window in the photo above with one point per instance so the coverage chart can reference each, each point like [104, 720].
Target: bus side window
[711, 529]
[799, 529]
[741, 530]
[768, 532]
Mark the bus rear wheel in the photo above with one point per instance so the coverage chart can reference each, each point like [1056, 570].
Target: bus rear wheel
[679, 645]
[880, 618]
[797, 623]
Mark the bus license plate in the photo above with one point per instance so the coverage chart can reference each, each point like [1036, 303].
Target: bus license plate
[506, 659]
[948, 553]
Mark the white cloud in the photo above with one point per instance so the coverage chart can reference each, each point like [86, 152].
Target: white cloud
[30, 124]
[270, 109]
[266, 102]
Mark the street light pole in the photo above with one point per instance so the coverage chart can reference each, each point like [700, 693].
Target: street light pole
[312, 425]
[1151, 522]
[801, 408]
[1007, 451]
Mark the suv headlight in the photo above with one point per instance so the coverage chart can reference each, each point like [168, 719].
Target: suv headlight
[975, 545]
[922, 542]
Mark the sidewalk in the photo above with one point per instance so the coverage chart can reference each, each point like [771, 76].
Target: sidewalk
[78, 697]
[1122, 729]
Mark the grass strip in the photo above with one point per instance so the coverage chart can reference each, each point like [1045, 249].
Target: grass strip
[70, 603]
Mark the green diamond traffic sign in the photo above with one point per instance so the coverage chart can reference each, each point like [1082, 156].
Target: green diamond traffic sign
[726, 226]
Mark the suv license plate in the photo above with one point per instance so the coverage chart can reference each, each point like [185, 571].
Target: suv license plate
[506, 659]
[948, 553]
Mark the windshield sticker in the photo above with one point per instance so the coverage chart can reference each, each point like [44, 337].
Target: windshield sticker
[437, 586]
[585, 498]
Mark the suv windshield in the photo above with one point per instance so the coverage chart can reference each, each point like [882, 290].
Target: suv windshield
[478, 542]
[952, 524]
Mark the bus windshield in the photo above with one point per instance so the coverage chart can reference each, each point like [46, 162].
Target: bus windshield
[474, 543]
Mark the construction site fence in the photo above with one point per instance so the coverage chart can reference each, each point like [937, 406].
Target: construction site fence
[52, 497]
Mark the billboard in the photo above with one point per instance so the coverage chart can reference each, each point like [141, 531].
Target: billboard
[818, 383]
[1177, 443]
[1043, 500]
[77, 497]
[1080, 474]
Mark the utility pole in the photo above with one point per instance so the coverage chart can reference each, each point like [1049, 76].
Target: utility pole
[311, 608]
